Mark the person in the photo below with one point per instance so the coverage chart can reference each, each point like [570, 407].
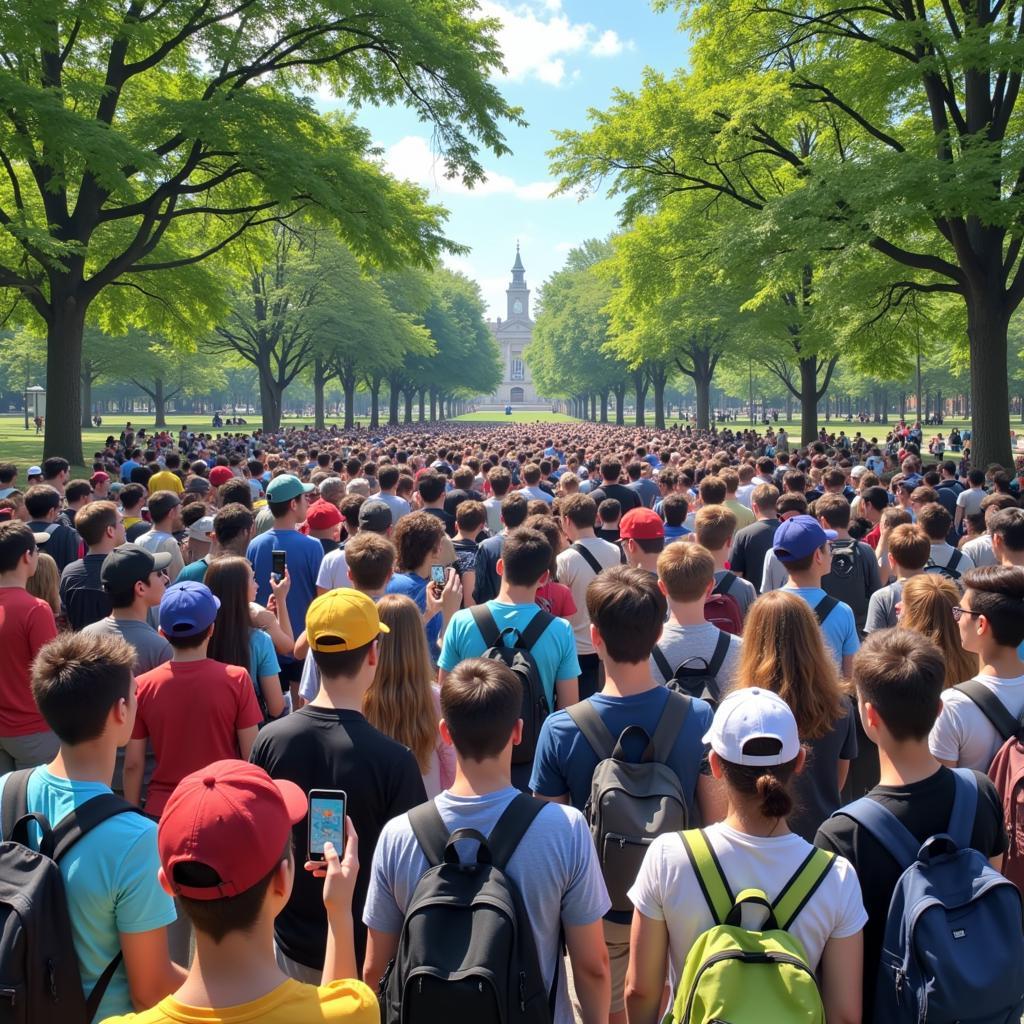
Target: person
[56, 471]
[715, 527]
[26, 624]
[674, 508]
[43, 505]
[642, 533]
[499, 479]
[926, 606]
[77, 494]
[992, 627]
[644, 486]
[968, 501]
[979, 549]
[84, 688]
[470, 517]
[236, 640]
[1007, 531]
[8, 478]
[627, 608]
[323, 523]
[169, 478]
[908, 552]
[81, 589]
[132, 498]
[403, 702]
[611, 471]
[431, 489]
[328, 744]
[554, 866]
[751, 545]
[232, 901]
[44, 583]
[165, 513]
[744, 516]
[553, 597]
[779, 624]
[755, 753]
[388, 479]
[943, 558]
[899, 677]
[531, 488]
[373, 516]
[232, 531]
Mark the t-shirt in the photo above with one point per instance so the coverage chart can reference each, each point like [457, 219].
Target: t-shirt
[923, 808]
[962, 734]
[554, 652]
[970, 500]
[151, 649]
[326, 748]
[980, 551]
[399, 506]
[667, 889]
[647, 489]
[749, 548]
[554, 867]
[64, 545]
[856, 589]
[839, 629]
[488, 582]
[110, 877]
[740, 590]
[882, 607]
[679, 643]
[262, 656]
[291, 1002]
[446, 517]
[165, 480]
[415, 588]
[492, 506]
[333, 572]
[192, 712]
[942, 554]
[556, 598]
[82, 596]
[576, 573]
[623, 495]
[744, 517]
[26, 623]
[155, 541]
[195, 571]
[535, 493]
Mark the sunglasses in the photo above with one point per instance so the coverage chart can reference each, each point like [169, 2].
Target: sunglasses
[959, 612]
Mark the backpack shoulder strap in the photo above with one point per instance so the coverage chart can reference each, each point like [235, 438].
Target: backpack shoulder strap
[965, 804]
[721, 650]
[15, 801]
[710, 877]
[958, 557]
[510, 828]
[430, 831]
[485, 623]
[673, 717]
[84, 818]
[587, 557]
[595, 732]
[534, 629]
[662, 662]
[796, 893]
[823, 609]
[886, 828]
[724, 585]
[990, 706]
[622, 554]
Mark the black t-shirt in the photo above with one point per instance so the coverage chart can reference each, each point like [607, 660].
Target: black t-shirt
[325, 748]
[446, 517]
[750, 548]
[455, 497]
[623, 495]
[923, 808]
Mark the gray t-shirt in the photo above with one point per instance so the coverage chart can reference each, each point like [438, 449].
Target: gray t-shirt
[679, 643]
[555, 867]
[151, 649]
[882, 607]
[980, 551]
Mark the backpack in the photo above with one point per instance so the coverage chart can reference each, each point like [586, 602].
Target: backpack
[41, 982]
[824, 608]
[466, 949]
[949, 570]
[742, 976]
[631, 803]
[721, 609]
[521, 661]
[690, 678]
[954, 946]
[844, 558]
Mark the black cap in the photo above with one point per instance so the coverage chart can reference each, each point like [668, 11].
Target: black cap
[375, 516]
[130, 564]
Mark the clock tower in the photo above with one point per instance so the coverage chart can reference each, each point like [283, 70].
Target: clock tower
[517, 292]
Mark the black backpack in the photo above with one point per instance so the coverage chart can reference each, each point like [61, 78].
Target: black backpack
[521, 661]
[466, 951]
[695, 677]
[949, 570]
[823, 609]
[844, 558]
[40, 982]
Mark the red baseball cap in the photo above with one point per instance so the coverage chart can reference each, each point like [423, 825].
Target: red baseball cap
[322, 515]
[641, 524]
[220, 475]
[99, 477]
[232, 817]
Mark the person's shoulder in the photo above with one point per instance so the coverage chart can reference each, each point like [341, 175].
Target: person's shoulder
[346, 999]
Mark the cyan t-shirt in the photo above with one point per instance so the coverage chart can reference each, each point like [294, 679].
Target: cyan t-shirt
[839, 629]
[554, 652]
[262, 656]
[110, 877]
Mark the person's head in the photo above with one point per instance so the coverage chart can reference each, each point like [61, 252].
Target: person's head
[431, 487]
[56, 471]
[44, 583]
[611, 470]
[873, 502]
[715, 526]
[778, 624]
[802, 546]
[481, 705]
[899, 676]
[388, 478]
[500, 480]
[935, 520]
[548, 525]
[227, 807]
[626, 609]
[233, 526]
[926, 606]
[131, 497]
[764, 500]
[78, 493]
[1006, 527]
[188, 611]
[976, 478]
[470, 517]
[530, 474]
[686, 573]
[791, 504]
[84, 688]
[909, 548]
[19, 548]
[287, 498]
[371, 561]
[643, 535]
[8, 474]
[991, 610]
[675, 507]
[833, 511]
[131, 573]
[342, 627]
[578, 512]
[609, 512]
[42, 502]
[165, 511]
[100, 526]
[232, 582]
[712, 490]
[525, 559]
[323, 520]
[514, 510]
[418, 538]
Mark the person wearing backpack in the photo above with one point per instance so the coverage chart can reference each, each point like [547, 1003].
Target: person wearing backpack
[899, 676]
[991, 621]
[943, 558]
[690, 882]
[117, 912]
[635, 728]
[546, 869]
[715, 527]
[688, 641]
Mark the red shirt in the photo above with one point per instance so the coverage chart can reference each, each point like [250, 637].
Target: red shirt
[26, 623]
[192, 712]
[874, 535]
[556, 598]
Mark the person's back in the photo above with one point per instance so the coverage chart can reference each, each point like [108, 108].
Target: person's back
[752, 544]
[854, 576]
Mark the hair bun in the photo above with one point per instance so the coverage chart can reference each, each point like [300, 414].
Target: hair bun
[775, 800]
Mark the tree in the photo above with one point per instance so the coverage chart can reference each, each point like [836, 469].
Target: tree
[138, 140]
[164, 371]
[101, 356]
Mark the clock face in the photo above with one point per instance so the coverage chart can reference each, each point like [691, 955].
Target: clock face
[517, 306]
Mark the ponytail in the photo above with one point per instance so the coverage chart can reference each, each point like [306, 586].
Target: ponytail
[774, 796]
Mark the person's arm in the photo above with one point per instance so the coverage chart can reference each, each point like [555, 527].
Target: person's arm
[948, 764]
[711, 801]
[301, 648]
[339, 882]
[246, 738]
[847, 666]
[278, 605]
[844, 771]
[567, 692]
[147, 963]
[645, 977]
[134, 763]
[380, 950]
[591, 974]
[842, 964]
[270, 687]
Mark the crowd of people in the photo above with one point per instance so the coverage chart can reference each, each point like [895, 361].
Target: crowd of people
[620, 723]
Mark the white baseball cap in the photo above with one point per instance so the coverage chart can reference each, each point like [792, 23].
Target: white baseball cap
[202, 529]
[753, 714]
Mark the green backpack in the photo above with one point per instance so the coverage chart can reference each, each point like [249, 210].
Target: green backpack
[719, 981]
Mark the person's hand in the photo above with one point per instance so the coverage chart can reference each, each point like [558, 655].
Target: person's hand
[339, 873]
[434, 600]
[279, 590]
[451, 596]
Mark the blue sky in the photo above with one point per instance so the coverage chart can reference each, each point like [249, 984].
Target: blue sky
[563, 56]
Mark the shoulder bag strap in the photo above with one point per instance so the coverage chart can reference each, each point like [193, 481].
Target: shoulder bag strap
[801, 887]
[84, 818]
[92, 1004]
[957, 558]
[15, 801]
[670, 724]
[887, 829]
[587, 557]
[724, 585]
[710, 877]
[721, 650]
[823, 609]
[965, 804]
[534, 629]
[990, 706]
[510, 828]
[430, 831]
[622, 554]
[485, 623]
[662, 662]
[595, 732]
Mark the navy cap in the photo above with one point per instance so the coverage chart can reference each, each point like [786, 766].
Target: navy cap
[799, 537]
[188, 608]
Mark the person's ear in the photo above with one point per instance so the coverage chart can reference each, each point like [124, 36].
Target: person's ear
[517, 733]
[445, 733]
[715, 762]
[662, 587]
[801, 760]
[500, 567]
[371, 657]
[595, 639]
[165, 882]
[544, 579]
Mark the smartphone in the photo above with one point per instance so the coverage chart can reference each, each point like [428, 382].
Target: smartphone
[437, 575]
[326, 821]
[278, 563]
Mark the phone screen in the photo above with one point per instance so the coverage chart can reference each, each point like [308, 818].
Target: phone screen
[278, 562]
[437, 575]
[326, 823]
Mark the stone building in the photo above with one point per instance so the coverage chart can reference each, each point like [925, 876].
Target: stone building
[513, 334]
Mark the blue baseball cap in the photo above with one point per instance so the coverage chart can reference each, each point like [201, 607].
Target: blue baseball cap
[799, 537]
[188, 609]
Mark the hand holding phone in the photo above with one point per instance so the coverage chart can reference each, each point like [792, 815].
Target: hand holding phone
[279, 561]
[438, 575]
[326, 821]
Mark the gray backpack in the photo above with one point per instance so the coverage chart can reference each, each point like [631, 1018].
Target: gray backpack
[630, 802]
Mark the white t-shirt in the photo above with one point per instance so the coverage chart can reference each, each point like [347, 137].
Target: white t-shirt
[666, 889]
[962, 734]
[942, 554]
[333, 571]
[575, 572]
[980, 550]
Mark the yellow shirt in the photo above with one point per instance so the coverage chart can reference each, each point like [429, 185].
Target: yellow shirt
[291, 1002]
[165, 480]
[744, 517]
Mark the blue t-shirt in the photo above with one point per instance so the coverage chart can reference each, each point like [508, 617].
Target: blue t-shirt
[126, 470]
[415, 587]
[110, 877]
[554, 652]
[839, 628]
[262, 656]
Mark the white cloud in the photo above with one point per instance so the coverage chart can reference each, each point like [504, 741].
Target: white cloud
[609, 45]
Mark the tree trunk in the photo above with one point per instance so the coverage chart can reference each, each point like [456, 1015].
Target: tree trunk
[86, 395]
[604, 406]
[620, 404]
[641, 384]
[319, 381]
[423, 404]
[159, 403]
[64, 380]
[987, 322]
[433, 405]
[409, 395]
[658, 376]
[270, 402]
[348, 387]
[375, 403]
[394, 395]
[808, 400]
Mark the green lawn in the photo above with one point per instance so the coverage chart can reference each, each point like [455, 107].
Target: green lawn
[516, 417]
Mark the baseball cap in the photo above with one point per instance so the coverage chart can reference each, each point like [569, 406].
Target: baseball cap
[286, 488]
[202, 529]
[198, 485]
[220, 475]
[858, 471]
[188, 608]
[34, 471]
[99, 477]
[375, 516]
[751, 713]
[233, 818]
[342, 620]
[130, 564]
[322, 515]
[799, 537]
[641, 524]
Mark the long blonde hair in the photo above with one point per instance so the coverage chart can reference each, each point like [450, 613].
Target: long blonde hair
[927, 607]
[44, 583]
[784, 651]
[400, 701]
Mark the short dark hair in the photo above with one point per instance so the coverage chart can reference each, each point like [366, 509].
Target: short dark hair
[834, 509]
[40, 499]
[131, 496]
[481, 701]
[341, 663]
[975, 477]
[16, 541]
[416, 535]
[93, 521]
[188, 643]
[500, 480]
[514, 510]
[236, 492]
[579, 509]
[388, 477]
[525, 557]
[54, 466]
[1008, 524]
[935, 520]
[997, 592]
[370, 559]
[470, 515]
[901, 673]
[611, 469]
[610, 510]
[77, 678]
[430, 486]
[674, 508]
[162, 504]
[232, 521]
[8, 472]
[876, 497]
[628, 609]
[77, 489]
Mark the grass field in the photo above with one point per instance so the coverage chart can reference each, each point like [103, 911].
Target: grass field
[516, 417]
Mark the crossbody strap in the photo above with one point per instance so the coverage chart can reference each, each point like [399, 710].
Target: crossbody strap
[990, 706]
[485, 623]
[84, 818]
[957, 558]
[588, 557]
[823, 609]
[510, 828]
[888, 830]
[594, 731]
[534, 629]
[710, 877]
[724, 585]
[721, 650]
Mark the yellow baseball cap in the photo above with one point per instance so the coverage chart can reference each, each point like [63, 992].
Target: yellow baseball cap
[342, 620]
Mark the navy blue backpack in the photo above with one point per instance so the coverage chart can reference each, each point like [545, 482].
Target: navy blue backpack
[954, 937]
